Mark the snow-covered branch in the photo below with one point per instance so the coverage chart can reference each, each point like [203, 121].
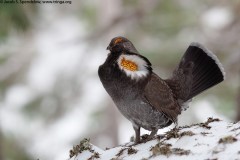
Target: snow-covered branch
[213, 139]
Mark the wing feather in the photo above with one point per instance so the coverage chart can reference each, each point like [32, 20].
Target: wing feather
[160, 96]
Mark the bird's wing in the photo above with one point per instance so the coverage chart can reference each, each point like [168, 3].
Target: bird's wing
[160, 96]
[181, 81]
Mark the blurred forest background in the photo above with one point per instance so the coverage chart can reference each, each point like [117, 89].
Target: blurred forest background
[50, 94]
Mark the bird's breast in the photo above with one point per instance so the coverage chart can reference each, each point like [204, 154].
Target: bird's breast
[127, 94]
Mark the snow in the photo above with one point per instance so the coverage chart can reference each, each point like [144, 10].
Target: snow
[18, 96]
[207, 110]
[217, 17]
[213, 139]
[54, 55]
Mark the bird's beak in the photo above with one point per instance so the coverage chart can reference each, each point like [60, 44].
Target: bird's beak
[108, 48]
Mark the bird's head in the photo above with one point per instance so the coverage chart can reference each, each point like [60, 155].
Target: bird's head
[128, 59]
[120, 44]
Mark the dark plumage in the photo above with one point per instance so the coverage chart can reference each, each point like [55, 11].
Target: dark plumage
[143, 97]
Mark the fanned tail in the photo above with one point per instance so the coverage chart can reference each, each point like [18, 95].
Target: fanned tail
[207, 70]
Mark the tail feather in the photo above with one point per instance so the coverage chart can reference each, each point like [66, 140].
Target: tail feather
[198, 70]
[207, 70]
[205, 81]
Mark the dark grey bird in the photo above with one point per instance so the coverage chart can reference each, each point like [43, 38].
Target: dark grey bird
[144, 98]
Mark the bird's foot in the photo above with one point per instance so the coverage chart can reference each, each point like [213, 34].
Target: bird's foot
[145, 138]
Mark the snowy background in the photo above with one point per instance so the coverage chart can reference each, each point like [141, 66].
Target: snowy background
[50, 95]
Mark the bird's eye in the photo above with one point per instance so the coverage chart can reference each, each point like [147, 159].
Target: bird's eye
[118, 40]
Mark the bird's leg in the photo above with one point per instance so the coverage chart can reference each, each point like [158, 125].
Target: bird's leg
[176, 124]
[152, 133]
[137, 133]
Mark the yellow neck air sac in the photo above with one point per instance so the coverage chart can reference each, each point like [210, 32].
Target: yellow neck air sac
[129, 65]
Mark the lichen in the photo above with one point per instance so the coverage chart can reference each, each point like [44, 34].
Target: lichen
[132, 150]
[161, 149]
[165, 149]
[187, 133]
[205, 133]
[228, 139]
[144, 137]
[120, 152]
[115, 159]
[94, 156]
[180, 152]
[173, 133]
[210, 120]
[235, 129]
[82, 146]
